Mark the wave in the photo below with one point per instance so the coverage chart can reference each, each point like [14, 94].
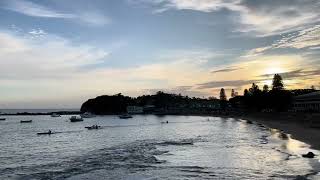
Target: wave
[138, 155]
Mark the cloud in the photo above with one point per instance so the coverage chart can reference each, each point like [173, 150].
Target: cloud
[36, 10]
[296, 74]
[45, 57]
[227, 69]
[94, 18]
[199, 56]
[261, 18]
[306, 38]
[203, 5]
[37, 32]
[275, 17]
[219, 84]
[31, 9]
[51, 68]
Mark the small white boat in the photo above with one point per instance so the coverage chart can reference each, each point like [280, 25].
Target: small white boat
[75, 119]
[125, 116]
[87, 115]
[55, 115]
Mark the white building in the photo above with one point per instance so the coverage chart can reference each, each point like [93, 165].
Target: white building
[307, 102]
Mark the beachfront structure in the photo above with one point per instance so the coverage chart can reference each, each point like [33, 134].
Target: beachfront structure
[213, 105]
[307, 103]
[149, 108]
[134, 109]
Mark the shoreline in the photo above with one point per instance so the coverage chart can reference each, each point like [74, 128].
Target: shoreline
[303, 127]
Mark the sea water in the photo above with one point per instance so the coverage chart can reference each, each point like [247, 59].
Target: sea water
[146, 147]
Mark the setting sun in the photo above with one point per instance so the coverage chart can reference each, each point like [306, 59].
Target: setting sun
[274, 70]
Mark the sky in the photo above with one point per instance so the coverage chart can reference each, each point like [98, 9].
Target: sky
[59, 53]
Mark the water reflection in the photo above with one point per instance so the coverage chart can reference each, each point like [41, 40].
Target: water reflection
[188, 147]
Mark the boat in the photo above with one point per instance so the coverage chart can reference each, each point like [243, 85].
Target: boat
[55, 115]
[2, 119]
[125, 116]
[75, 119]
[93, 127]
[87, 115]
[26, 121]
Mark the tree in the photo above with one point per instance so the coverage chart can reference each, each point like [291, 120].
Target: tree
[265, 88]
[223, 95]
[254, 89]
[246, 92]
[277, 83]
[313, 87]
[233, 93]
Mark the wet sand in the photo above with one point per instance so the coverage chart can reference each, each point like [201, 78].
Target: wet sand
[303, 127]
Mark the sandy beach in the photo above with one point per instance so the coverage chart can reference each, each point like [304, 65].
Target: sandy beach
[303, 127]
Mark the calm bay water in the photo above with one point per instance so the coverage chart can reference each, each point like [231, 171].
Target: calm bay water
[188, 147]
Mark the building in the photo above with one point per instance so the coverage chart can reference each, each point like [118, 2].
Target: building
[238, 103]
[307, 103]
[149, 108]
[134, 109]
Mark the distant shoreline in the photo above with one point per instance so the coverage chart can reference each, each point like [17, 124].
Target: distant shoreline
[41, 113]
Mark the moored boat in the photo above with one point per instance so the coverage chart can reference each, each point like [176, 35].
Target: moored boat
[75, 119]
[55, 115]
[87, 115]
[125, 116]
[26, 121]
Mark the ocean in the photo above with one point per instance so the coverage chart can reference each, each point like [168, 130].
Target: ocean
[146, 147]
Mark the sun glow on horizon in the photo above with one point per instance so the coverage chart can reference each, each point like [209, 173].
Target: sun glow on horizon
[274, 70]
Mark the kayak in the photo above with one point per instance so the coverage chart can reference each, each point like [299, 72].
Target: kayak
[93, 127]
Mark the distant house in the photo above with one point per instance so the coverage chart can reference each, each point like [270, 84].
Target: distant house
[148, 108]
[134, 109]
[212, 105]
[307, 102]
[238, 103]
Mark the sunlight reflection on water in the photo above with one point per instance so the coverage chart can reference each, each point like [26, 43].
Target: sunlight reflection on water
[188, 147]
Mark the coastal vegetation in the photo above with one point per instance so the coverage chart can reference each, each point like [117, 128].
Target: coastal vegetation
[159, 102]
[277, 99]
